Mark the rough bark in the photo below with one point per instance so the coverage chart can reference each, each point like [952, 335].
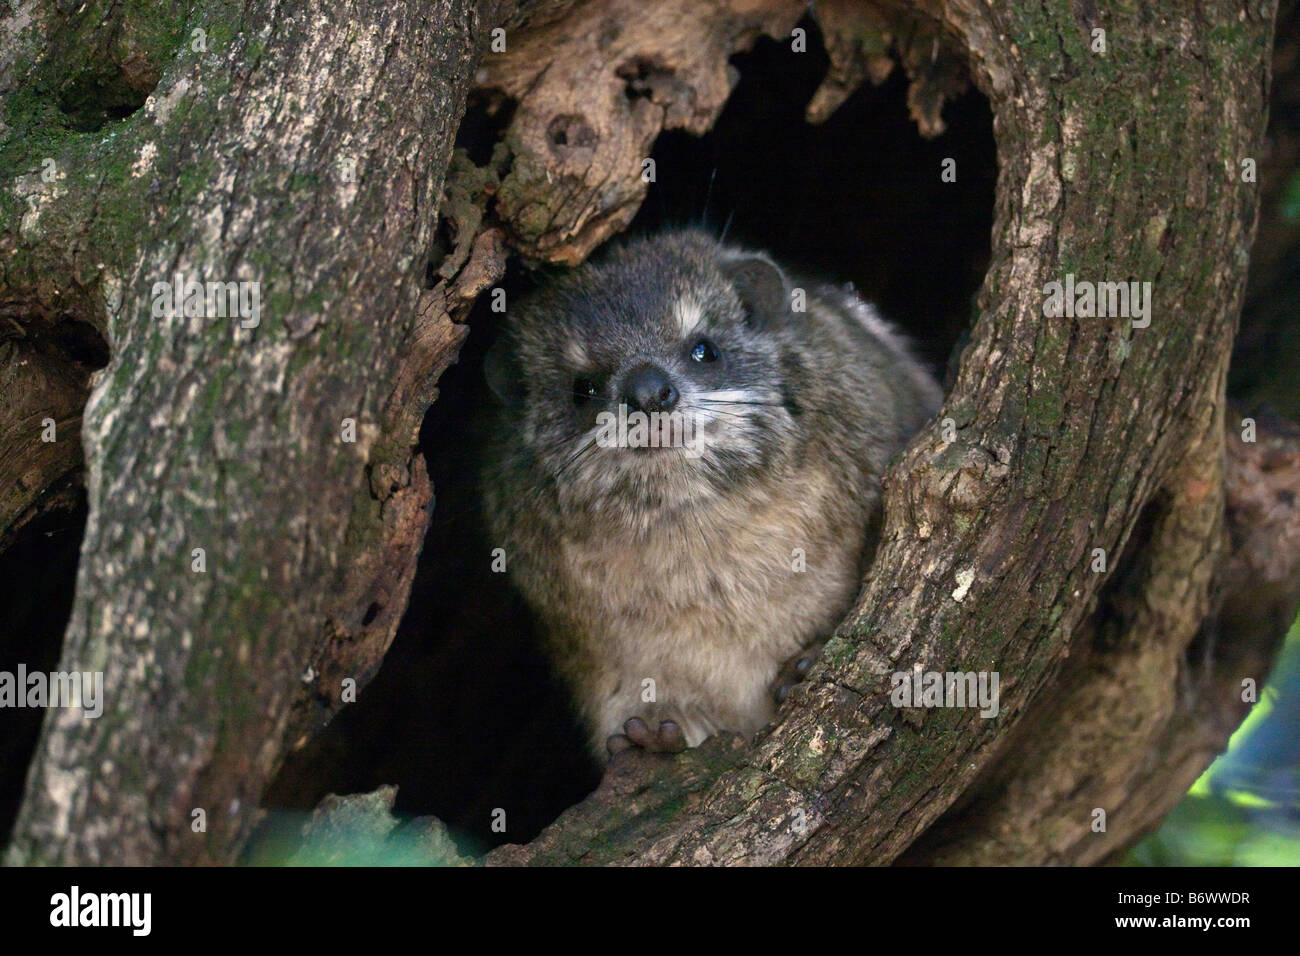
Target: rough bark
[203, 434]
[1072, 434]
[1136, 716]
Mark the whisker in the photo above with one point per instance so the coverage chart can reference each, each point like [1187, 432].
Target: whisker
[739, 394]
[706, 415]
[708, 195]
[573, 459]
[727, 225]
[705, 401]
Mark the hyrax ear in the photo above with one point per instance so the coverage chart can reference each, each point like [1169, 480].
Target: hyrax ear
[760, 283]
[503, 374]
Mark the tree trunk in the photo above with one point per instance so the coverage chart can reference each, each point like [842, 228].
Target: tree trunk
[1072, 435]
[302, 147]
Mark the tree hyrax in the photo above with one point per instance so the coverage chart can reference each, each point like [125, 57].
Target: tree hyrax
[683, 470]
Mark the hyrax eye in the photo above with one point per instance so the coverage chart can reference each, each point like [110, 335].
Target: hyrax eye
[704, 351]
[584, 391]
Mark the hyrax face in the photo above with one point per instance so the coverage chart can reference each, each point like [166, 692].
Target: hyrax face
[650, 381]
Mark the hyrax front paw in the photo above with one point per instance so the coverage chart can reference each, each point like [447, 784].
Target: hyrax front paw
[794, 670]
[668, 739]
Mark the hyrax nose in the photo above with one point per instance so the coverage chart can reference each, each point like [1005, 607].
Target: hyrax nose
[647, 388]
